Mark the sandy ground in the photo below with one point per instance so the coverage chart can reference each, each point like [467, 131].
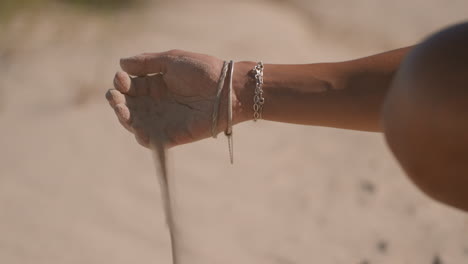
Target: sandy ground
[76, 188]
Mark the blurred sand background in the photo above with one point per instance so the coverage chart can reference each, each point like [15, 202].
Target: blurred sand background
[76, 188]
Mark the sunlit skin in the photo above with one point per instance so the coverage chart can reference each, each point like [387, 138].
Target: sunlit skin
[422, 90]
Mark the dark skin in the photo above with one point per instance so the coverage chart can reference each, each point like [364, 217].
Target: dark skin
[422, 89]
[345, 95]
[425, 116]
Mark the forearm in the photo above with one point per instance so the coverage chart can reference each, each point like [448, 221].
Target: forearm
[344, 95]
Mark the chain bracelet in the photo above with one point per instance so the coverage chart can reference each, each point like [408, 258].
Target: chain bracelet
[258, 96]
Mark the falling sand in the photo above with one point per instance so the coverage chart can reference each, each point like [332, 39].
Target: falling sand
[160, 162]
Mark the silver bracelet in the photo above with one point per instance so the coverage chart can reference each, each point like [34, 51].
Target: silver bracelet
[214, 121]
[258, 96]
[214, 118]
[228, 131]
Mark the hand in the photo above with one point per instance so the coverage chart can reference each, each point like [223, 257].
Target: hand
[172, 100]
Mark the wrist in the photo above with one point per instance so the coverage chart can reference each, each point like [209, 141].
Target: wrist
[243, 91]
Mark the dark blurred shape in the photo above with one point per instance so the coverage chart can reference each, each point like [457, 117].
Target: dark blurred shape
[8, 8]
[102, 4]
[436, 260]
[367, 186]
[382, 246]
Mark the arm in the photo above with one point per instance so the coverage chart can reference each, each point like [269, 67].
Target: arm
[345, 95]
[177, 105]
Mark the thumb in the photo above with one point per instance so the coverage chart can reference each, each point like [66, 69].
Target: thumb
[144, 64]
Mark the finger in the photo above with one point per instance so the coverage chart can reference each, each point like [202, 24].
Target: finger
[127, 126]
[123, 113]
[115, 97]
[145, 64]
[122, 82]
[137, 86]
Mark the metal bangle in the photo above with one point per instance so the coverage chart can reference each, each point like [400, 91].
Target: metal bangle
[228, 131]
[214, 120]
